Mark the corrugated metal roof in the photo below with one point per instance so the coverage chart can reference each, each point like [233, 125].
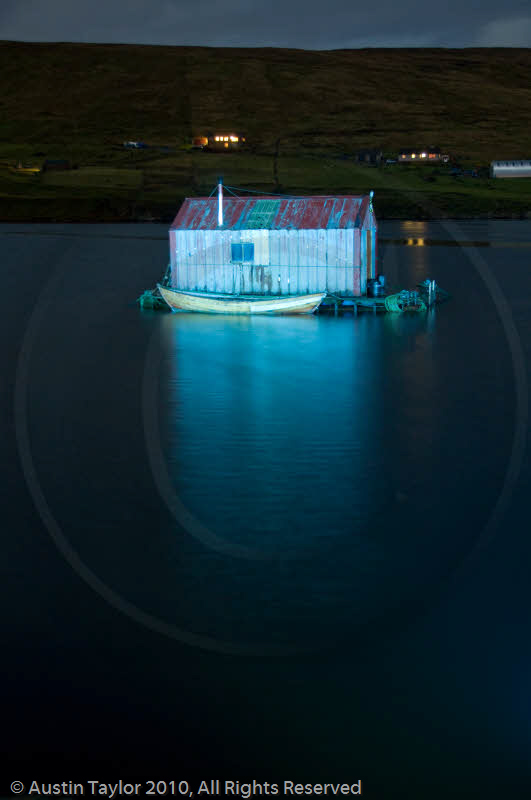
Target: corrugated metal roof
[244, 213]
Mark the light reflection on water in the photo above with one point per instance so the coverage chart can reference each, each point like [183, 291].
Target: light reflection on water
[321, 444]
[421, 242]
[341, 453]
[283, 410]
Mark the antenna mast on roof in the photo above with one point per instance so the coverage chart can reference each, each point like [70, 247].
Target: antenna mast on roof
[220, 201]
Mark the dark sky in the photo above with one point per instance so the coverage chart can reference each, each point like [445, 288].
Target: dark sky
[308, 24]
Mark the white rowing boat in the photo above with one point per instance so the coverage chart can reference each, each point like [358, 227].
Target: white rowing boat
[207, 303]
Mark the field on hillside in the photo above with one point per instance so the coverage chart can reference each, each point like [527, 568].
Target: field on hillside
[304, 114]
[154, 189]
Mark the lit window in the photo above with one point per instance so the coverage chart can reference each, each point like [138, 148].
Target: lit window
[413, 155]
[243, 138]
[216, 138]
[234, 138]
[242, 252]
[226, 139]
[423, 155]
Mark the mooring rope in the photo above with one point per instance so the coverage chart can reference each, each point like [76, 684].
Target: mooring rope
[399, 302]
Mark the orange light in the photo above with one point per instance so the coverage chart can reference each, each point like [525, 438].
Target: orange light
[226, 144]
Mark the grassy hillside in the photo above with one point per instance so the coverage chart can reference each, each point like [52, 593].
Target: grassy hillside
[304, 113]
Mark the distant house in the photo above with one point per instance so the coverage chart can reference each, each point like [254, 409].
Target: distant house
[56, 163]
[421, 155]
[220, 142]
[510, 169]
[369, 156]
[25, 169]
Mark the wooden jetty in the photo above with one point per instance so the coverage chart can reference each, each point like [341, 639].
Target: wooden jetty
[426, 295]
[352, 305]
[153, 299]
[423, 297]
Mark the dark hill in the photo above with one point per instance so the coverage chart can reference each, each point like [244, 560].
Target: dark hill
[304, 114]
[475, 102]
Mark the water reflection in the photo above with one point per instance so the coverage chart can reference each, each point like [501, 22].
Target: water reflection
[273, 424]
[422, 242]
[324, 468]
[414, 226]
[301, 450]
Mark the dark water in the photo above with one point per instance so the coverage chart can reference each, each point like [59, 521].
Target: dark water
[267, 548]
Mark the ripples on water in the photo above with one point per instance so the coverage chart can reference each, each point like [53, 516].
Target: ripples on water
[329, 472]
[342, 453]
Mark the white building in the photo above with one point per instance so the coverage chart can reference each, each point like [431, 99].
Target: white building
[510, 169]
[274, 246]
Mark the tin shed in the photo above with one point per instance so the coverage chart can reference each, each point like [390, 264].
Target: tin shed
[274, 246]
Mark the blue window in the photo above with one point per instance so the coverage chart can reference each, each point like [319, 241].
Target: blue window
[242, 252]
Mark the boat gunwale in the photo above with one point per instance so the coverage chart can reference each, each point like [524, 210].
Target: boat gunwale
[242, 297]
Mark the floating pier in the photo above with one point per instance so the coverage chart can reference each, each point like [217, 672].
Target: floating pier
[406, 300]
[426, 295]
[423, 297]
[352, 305]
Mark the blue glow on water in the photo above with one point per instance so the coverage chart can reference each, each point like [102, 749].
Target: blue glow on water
[333, 473]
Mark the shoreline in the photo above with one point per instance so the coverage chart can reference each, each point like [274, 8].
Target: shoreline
[388, 206]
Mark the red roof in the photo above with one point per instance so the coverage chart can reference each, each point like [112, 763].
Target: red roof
[274, 213]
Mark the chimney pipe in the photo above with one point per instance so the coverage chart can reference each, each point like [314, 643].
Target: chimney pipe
[220, 202]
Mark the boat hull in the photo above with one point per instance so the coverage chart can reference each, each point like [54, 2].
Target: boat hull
[227, 304]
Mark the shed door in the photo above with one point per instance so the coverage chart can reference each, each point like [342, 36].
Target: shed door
[369, 255]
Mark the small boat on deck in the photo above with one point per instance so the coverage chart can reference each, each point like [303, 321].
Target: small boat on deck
[208, 303]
